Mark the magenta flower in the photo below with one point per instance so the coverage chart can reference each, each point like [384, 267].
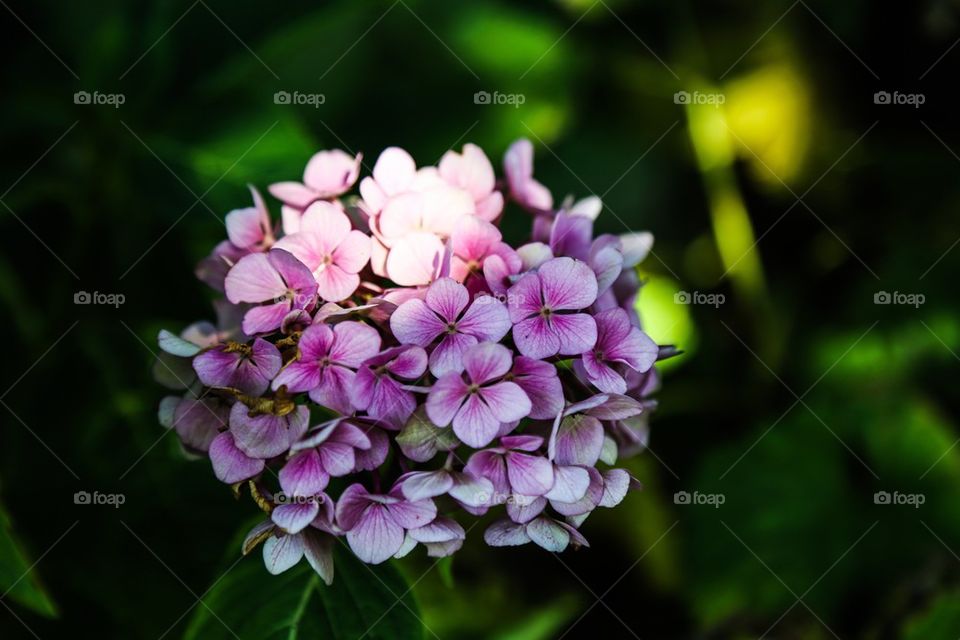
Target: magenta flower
[527, 192]
[276, 279]
[328, 174]
[248, 368]
[330, 249]
[379, 389]
[197, 421]
[543, 306]
[326, 363]
[376, 524]
[480, 402]
[513, 468]
[472, 242]
[464, 487]
[230, 464]
[265, 435]
[442, 537]
[619, 346]
[444, 311]
[330, 452]
[547, 533]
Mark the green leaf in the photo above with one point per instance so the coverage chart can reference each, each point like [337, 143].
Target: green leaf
[18, 580]
[369, 601]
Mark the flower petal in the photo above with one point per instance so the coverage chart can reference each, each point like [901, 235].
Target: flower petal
[231, 465]
[529, 475]
[282, 553]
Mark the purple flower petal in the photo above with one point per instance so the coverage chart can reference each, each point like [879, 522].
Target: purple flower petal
[447, 298]
[492, 466]
[414, 323]
[376, 537]
[616, 483]
[529, 475]
[471, 490]
[351, 506]
[535, 338]
[487, 319]
[294, 517]
[231, 465]
[504, 533]
[506, 400]
[266, 436]
[570, 484]
[198, 422]
[539, 381]
[548, 534]
[578, 441]
[523, 509]
[487, 361]
[254, 279]
[445, 398]
[567, 284]
[337, 458]
[282, 553]
[447, 356]
[475, 424]
[353, 343]
[420, 485]
[303, 475]
[318, 550]
[576, 333]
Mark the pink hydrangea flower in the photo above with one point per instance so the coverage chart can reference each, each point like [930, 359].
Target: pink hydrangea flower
[479, 402]
[544, 308]
[327, 362]
[328, 174]
[472, 172]
[446, 311]
[376, 525]
[379, 387]
[330, 249]
[619, 345]
[277, 281]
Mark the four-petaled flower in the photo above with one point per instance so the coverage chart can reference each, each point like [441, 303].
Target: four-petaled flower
[275, 278]
[444, 311]
[480, 402]
[543, 307]
[327, 361]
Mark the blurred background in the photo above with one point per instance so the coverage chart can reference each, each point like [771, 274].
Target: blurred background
[795, 162]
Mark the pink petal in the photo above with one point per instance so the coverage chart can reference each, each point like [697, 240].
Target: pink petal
[447, 298]
[524, 298]
[576, 333]
[487, 361]
[507, 401]
[578, 441]
[253, 279]
[445, 398]
[292, 193]
[492, 466]
[535, 338]
[487, 319]
[394, 170]
[231, 465]
[245, 227]
[471, 490]
[294, 517]
[475, 423]
[331, 173]
[266, 318]
[602, 376]
[376, 537]
[567, 284]
[570, 484]
[334, 284]
[350, 507]
[447, 357]
[353, 253]
[426, 484]
[337, 458]
[473, 238]
[414, 259]
[412, 514]
[529, 475]
[326, 220]
[504, 533]
[303, 475]
[354, 343]
[414, 323]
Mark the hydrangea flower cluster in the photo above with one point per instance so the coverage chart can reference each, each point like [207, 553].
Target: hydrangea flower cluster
[385, 369]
